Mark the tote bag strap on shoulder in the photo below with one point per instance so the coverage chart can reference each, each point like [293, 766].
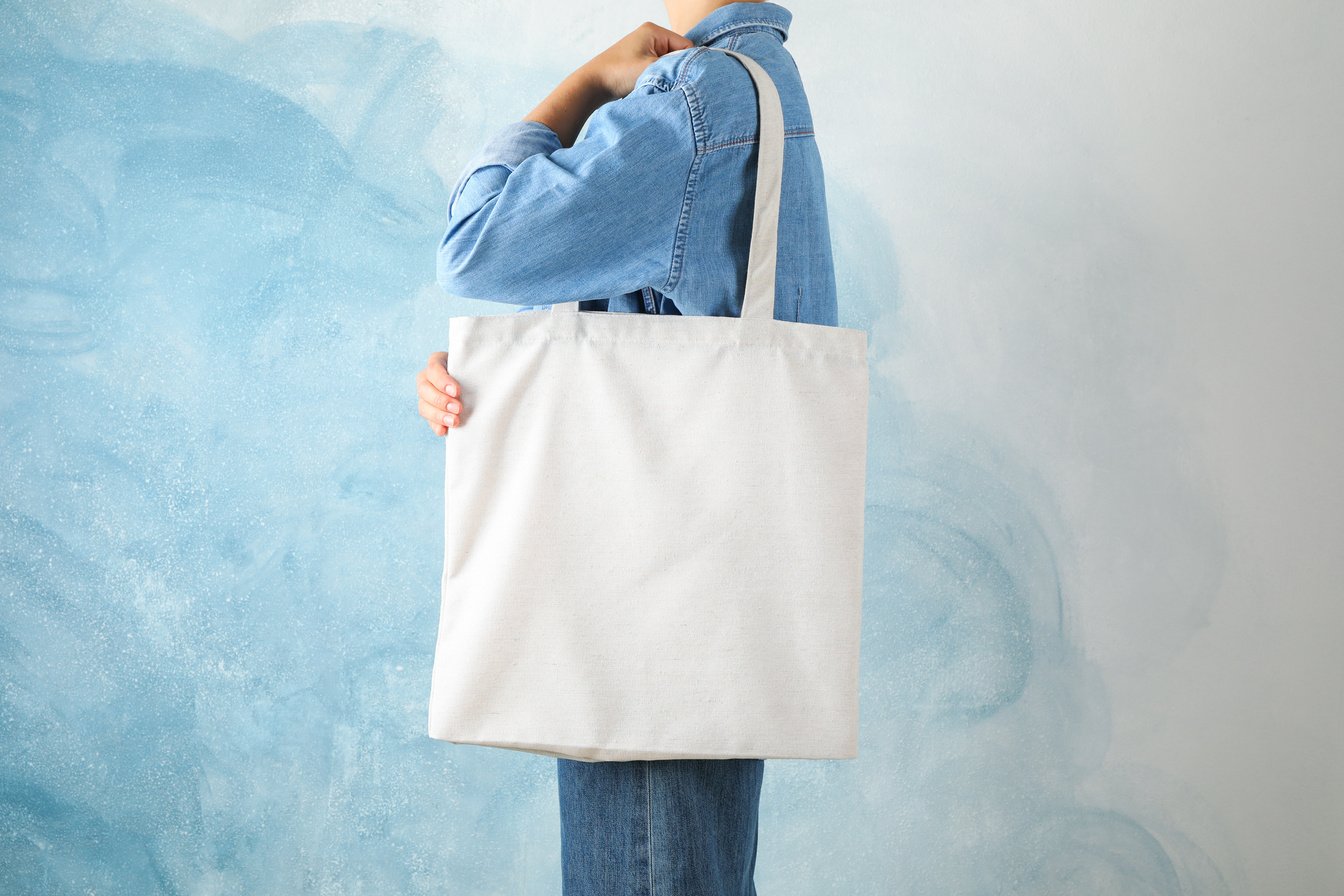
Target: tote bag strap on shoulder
[759, 300]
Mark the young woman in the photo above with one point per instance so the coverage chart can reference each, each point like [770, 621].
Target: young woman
[651, 213]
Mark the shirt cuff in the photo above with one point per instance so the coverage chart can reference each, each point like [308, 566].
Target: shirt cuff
[506, 148]
[515, 142]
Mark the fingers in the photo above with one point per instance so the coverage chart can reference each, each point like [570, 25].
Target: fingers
[438, 399]
[439, 394]
[665, 40]
[437, 402]
[437, 416]
[436, 370]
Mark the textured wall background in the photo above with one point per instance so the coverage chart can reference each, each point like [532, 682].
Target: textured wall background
[1097, 248]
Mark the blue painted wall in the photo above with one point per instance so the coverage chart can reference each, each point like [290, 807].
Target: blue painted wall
[220, 518]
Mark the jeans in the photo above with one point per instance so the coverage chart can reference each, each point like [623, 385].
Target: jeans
[664, 827]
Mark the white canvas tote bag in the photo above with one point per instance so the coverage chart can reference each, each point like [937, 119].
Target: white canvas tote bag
[654, 525]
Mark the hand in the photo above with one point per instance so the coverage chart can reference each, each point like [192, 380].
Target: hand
[608, 76]
[440, 394]
[618, 67]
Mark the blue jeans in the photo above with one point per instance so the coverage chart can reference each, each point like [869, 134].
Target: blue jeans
[664, 827]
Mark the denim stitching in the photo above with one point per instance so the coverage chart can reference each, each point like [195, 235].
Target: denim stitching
[657, 81]
[684, 72]
[742, 141]
[733, 44]
[769, 26]
[683, 83]
[688, 200]
[648, 794]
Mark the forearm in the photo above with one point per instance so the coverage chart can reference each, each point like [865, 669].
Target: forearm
[568, 106]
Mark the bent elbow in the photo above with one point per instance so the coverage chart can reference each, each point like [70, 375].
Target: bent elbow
[459, 270]
[450, 268]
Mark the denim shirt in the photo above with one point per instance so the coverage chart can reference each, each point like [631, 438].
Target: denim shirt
[650, 211]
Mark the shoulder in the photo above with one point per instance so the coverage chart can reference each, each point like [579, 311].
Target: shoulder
[721, 95]
[690, 68]
[668, 94]
[659, 112]
[716, 89]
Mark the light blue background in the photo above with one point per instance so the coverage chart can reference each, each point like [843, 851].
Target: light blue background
[1096, 250]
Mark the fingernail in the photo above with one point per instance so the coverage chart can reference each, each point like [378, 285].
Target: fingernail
[447, 420]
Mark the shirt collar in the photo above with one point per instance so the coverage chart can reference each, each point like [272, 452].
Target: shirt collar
[734, 17]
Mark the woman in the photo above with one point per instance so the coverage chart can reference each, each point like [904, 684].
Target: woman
[649, 212]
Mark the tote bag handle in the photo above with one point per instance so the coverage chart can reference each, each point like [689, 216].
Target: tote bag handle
[759, 301]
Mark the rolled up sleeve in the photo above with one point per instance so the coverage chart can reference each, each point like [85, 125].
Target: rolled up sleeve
[534, 223]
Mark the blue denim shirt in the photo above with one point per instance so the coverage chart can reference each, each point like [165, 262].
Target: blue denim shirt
[650, 210]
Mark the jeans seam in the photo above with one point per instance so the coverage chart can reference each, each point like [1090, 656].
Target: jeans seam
[648, 796]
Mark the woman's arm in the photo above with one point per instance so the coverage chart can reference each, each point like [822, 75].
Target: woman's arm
[567, 107]
[534, 222]
[608, 76]
[626, 178]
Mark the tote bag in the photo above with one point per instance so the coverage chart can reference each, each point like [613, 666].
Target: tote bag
[653, 526]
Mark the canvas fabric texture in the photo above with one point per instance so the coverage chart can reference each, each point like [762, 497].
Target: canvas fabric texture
[653, 525]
